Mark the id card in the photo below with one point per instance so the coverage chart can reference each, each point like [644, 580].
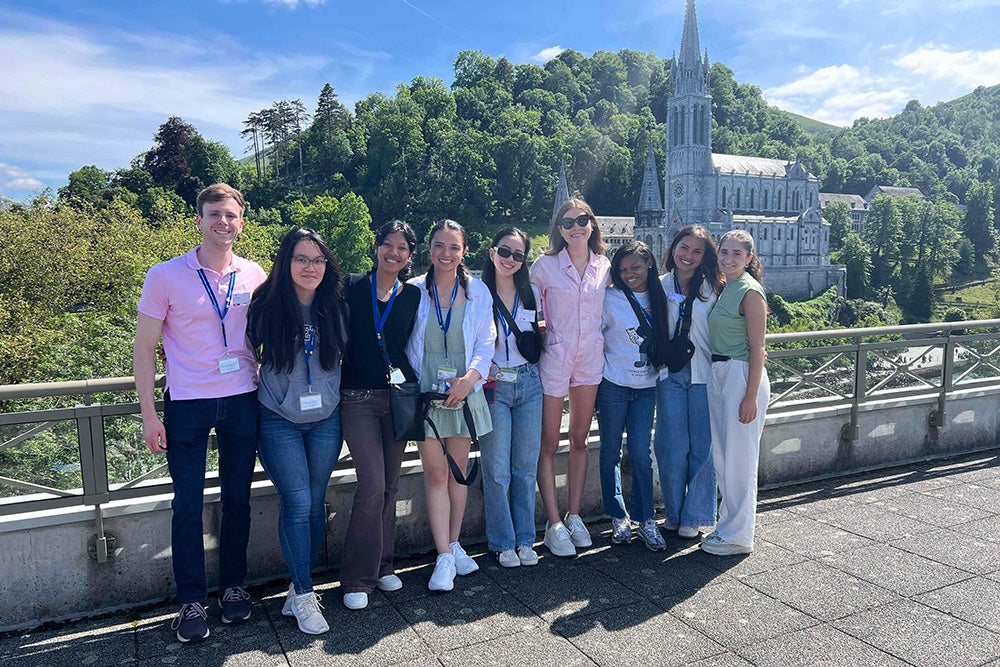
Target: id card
[447, 373]
[229, 364]
[506, 375]
[396, 376]
[310, 402]
[241, 299]
[675, 297]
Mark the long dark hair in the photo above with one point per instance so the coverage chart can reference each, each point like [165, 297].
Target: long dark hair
[556, 240]
[411, 240]
[754, 267]
[522, 281]
[463, 272]
[657, 297]
[708, 271]
[275, 322]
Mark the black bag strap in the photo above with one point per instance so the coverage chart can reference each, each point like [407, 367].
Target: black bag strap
[686, 320]
[640, 314]
[469, 477]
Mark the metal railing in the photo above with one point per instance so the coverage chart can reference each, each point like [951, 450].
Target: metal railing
[107, 460]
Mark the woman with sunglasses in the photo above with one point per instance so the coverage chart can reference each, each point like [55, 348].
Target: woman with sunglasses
[571, 277]
[297, 323]
[635, 319]
[383, 309]
[451, 349]
[510, 450]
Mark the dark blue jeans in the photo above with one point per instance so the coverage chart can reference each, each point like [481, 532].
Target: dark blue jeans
[629, 411]
[299, 459]
[188, 423]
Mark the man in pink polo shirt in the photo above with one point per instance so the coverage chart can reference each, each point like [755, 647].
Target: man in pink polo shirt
[198, 304]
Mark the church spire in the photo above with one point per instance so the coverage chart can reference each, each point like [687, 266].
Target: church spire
[691, 71]
[562, 190]
[649, 196]
[690, 44]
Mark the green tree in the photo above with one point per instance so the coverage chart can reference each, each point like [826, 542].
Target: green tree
[85, 184]
[979, 222]
[856, 256]
[838, 213]
[883, 228]
[346, 226]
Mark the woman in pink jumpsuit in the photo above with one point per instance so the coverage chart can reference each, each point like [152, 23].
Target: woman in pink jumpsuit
[571, 277]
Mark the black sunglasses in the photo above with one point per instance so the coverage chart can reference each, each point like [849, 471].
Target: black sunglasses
[506, 252]
[581, 220]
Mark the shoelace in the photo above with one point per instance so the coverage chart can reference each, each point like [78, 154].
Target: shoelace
[189, 611]
[312, 603]
[235, 594]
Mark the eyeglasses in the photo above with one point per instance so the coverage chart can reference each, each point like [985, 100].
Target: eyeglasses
[302, 262]
[581, 220]
[506, 252]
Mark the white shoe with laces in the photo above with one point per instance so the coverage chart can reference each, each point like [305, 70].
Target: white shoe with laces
[443, 577]
[578, 531]
[508, 558]
[463, 562]
[527, 555]
[307, 611]
[558, 540]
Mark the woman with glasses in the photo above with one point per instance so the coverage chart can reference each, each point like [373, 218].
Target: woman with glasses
[510, 451]
[383, 309]
[451, 348]
[296, 325]
[571, 277]
[635, 321]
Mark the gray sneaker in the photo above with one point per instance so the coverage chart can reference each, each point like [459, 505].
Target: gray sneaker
[558, 540]
[621, 530]
[527, 555]
[717, 546]
[191, 623]
[649, 532]
[578, 531]
[508, 558]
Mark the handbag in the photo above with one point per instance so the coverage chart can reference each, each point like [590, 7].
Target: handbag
[428, 399]
[405, 406]
[679, 349]
[529, 343]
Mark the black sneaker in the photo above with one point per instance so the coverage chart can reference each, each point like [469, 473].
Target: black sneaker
[191, 623]
[235, 603]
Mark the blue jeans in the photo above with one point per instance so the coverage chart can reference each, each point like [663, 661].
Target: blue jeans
[188, 423]
[683, 447]
[623, 409]
[509, 456]
[299, 459]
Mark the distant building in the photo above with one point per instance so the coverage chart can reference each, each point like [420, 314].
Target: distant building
[859, 208]
[616, 230]
[894, 192]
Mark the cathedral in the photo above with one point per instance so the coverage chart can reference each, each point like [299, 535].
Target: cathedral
[777, 201]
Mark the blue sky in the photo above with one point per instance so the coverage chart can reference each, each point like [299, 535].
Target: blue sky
[87, 82]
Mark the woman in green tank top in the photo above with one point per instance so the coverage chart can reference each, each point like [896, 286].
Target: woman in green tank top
[738, 392]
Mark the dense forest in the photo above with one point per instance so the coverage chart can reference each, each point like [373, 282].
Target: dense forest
[485, 150]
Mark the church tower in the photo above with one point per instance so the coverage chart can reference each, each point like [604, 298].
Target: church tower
[649, 213]
[688, 191]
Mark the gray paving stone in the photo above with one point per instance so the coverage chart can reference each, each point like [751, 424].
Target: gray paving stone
[819, 590]
[734, 614]
[819, 646]
[253, 642]
[899, 571]
[765, 557]
[922, 636]
[653, 637]
[658, 577]
[767, 517]
[874, 523]
[931, 510]
[981, 497]
[722, 660]
[536, 647]
[974, 600]
[91, 643]
[987, 529]
[953, 548]
[460, 618]
[813, 539]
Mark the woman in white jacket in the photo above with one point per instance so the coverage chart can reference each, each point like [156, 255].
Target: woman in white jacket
[451, 349]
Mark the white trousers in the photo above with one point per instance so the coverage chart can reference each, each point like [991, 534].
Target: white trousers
[735, 448]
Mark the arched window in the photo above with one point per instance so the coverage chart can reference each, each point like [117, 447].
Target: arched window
[781, 199]
[810, 199]
[779, 233]
[753, 191]
[723, 196]
[763, 232]
[738, 193]
[765, 200]
[681, 138]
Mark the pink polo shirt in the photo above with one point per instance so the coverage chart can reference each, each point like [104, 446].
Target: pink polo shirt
[574, 345]
[192, 331]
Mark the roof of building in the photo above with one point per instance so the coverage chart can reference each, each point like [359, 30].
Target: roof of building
[894, 192]
[854, 201]
[743, 164]
[616, 225]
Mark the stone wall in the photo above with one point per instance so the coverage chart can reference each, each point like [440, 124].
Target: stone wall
[799, 283]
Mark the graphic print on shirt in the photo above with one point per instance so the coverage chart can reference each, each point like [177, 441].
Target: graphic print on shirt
[639, 336]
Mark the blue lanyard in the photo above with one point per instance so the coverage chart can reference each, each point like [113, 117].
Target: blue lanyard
[380, 321]
[680, 306]
[444, 323]
[631, 297]
[309, 346]
[507, 329]
[221, 312]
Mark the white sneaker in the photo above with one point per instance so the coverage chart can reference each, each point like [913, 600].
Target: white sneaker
[358, 600]
[577, 531]
[307, 612]
[557, 539]
[508, 558]
[443, 577]
[463, 562]
[289, 600]
[389, 583]
[527, 556]
[688, 532]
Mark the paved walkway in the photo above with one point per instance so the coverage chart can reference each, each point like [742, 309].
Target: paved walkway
[894, 568]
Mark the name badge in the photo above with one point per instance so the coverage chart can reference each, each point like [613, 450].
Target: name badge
[241, 299]
[675, 297]
[506, 375]
[526, 316]
[310, 402]
[396, 376]
[229, 364]
[447, 373]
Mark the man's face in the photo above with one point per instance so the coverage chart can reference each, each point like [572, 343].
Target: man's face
[220, 222]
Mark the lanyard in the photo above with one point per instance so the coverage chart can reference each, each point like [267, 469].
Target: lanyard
[221, 312]
[380, 321]
[631, 297]
[309, 346]
[444, 323]
[680, 306]
[507, 329]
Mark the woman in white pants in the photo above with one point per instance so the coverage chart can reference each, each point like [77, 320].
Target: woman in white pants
[738, 392]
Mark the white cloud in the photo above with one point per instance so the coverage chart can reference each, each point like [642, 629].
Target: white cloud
[547, 54]
[971, 68]
[821, 80]
[15, 178]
